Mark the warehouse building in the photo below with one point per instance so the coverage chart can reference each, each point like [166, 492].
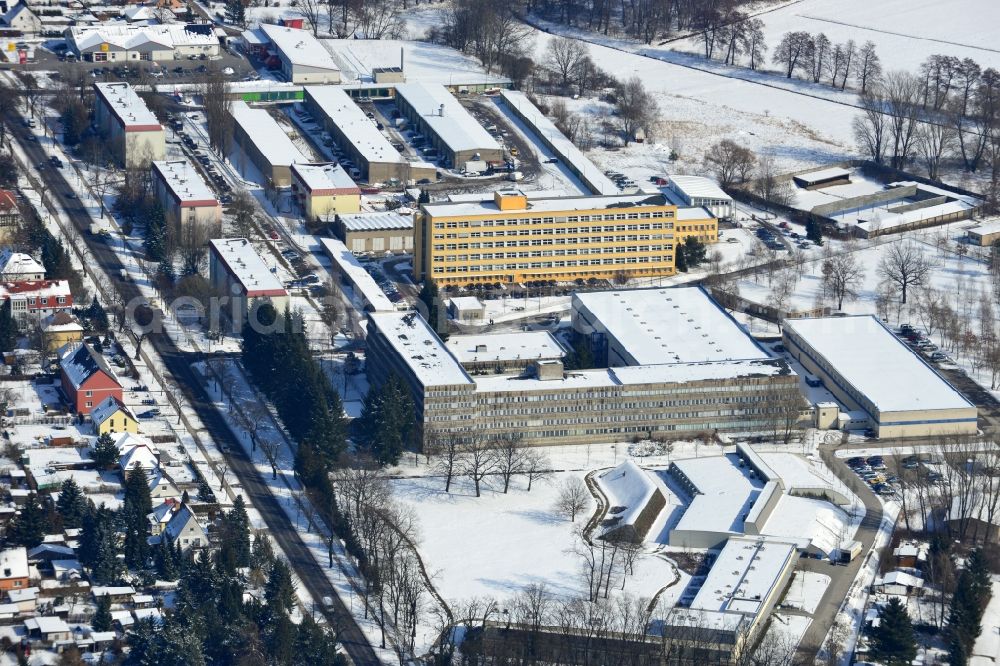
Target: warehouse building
[703, 192]
[185, 196]
[302, 58]
[236, 270]
[134, 134]
[262, 141]
[324, 190]
[522, 237]
[546, 404]
[123, 42]
[880, 381]
[376, 233]
[359, 138]
[448, 127]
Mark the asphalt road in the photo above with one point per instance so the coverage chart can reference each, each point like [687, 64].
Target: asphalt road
[179, 365]
[841, 577]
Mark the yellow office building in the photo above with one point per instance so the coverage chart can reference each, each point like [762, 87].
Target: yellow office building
[518, 237]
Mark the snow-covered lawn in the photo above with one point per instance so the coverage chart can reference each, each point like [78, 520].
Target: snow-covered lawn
[496, 544]
[987, 648]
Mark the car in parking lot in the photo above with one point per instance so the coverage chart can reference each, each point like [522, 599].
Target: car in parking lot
[149, 414]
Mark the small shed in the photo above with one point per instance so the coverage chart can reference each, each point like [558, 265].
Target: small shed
[467, 309]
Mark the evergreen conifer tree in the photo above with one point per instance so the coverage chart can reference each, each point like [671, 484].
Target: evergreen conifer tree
[102, 617]
[71, 504]
[8, 327]
[893, 642]
[29, 525]
[105, 451]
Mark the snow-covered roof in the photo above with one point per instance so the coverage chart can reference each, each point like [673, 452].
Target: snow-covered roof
[143, 455]
[466, 302]
[37, 289]
[61, 322]
[112, 591]
[595, 180]
[267, 135]
[185, 183]
[352, 122]
[179, 520]
[744, 575]
[670, 373]
[420, 347]
[688, 213]
[677, 325]
[299, 47]
[14, 264]
[901, 578]
[128, 37]
[487, 205]
[80, 362]
[14, 563]
[875, 363]
[985, 228]
[446, 117]
[382, 221]
[628, 489]
[421, 61]
[326, 179]
[512, 346]
[122, 100]
[345, 262]
[698, 187]
[47, 625]
[726, 493]
[108, 408]
[246, 267]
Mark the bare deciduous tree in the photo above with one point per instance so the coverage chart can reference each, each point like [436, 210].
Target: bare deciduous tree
[565, 57]
[573, 498]
[843, 275]
[730, 162]
[905, 265]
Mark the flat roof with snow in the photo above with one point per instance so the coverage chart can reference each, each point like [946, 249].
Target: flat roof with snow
[541, 204]
[122, 100]
[185, 183]
[352, 122]
[658, 326]
[421, 348]
[746, 573]
[698, 187]
[345, 261]
[874, 362]
[246, 266]
[383, 221]
[821, 175]
[446, 117]
[986, 228]
[325, 179]
[726, 493]
[299, 47]
[560, 143]
[513, 346]
[266, 135]
[421, 61]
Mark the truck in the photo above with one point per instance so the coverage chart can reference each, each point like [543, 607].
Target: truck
[475, 167]
[849, 551]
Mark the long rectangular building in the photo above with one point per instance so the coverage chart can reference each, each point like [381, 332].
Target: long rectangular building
[515, 238]
[303, 58]
[359, 137]
[265, 144]
[451, 129]
[547, 404]
[135, 135]
[238, 272]
[873, 372]
[185, 196]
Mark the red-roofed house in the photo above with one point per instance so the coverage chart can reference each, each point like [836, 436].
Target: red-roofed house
[86, 377]
[37, 298]
[10, 214]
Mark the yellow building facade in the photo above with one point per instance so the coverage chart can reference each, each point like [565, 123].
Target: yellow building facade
[516, 238]
[113, 416]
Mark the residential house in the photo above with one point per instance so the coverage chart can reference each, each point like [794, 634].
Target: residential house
[185, 529]
[112, 415]
[18, 266]
[14, 571]
[36, 298]
[160, 487]
[22, 19]
[899, 583]
[10, 214]
[86, 377]
[61, 329]
[134, 451]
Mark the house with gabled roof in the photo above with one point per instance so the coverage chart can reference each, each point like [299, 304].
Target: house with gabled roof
[185, 528]
[112, 415]
[133, 450]
[86, 378]
[19, 266]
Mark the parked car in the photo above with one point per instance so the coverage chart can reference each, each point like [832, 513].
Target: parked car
[149, 414]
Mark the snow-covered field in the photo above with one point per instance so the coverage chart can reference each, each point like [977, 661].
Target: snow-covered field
[906, 31]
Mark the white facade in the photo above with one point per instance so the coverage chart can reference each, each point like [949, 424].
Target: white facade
[703, 192]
